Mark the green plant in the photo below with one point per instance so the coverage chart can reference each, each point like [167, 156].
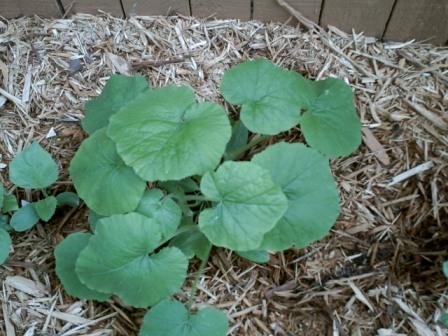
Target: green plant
[144, 233]
[32, 168]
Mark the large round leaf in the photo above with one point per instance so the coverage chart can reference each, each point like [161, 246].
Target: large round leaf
[119, 91]
[166, 135]
[330, 123]
[102, 179]
[33, 168]
[313, 201]
[66, 254]
[119, 259]
[164, 210]
[169, 318]
[270, 97]
[249, 204]
[5, 245]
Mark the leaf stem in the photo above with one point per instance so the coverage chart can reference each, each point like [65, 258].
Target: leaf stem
[197, 277]
[237, 153]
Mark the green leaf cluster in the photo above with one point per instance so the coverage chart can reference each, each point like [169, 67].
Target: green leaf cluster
[32, 168]
[166, 177]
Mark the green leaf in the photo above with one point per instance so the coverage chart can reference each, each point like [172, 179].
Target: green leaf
[93, 219]
[120, 259]
[118, 92]
[270, 97]
[192, 243]
[102, 179]
[33, 168]
[45, 208]
[170, 318]
[240, 135]
[249, 204]
[257, 256]
[187, 185]
[2, 195]
[68, 198]
[313, 201]
[4, 223]
[330, 123]
[24, 218]
[165, 135]
[444, 319]
[5, 245]
[10, 203]
[66, 253]
[162, 209]
[445, 268]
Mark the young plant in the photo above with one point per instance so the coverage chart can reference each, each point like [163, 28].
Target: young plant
[32, 168]
[200, 192]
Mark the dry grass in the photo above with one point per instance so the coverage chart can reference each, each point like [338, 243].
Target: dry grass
[378, 272]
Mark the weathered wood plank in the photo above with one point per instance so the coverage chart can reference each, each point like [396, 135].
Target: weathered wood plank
[92, 6]
[420, 20]
[15, 8]
[368, 16]
[237, 9]
[270, 10]
[155, 7]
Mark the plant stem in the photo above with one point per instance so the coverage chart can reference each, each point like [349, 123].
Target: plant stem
[195, 198]
[237, 153]
[197, 277]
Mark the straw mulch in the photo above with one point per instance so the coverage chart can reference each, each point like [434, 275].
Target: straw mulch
[377, 273]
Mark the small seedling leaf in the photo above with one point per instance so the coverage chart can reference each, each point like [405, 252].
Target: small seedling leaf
[165, 135]
[162, 209]
[249, 204]
[330, 123]
[170, 318]
[240, 135]
[192, 243]
[68, 198]
[270, 97]
[313, 201]
[119, 91]
[4, 223]
[102, 179]
[123, 248]
[93, 219]
[33, 168]
[45, 208]
[66, 253]
[24, 218]
[256, 256]
[5, 245]
[10, 203]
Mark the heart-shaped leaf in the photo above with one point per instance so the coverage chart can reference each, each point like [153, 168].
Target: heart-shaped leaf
[249, 204]
[67, 198]
[10, 203]
[165, 135]
[102, 179]
[66, 253]
[169, 318]
[270, 97]
[313, 201]
[119, 91]
[45, 208]
[5, 245]
[24, 218]
[256, 256]
[33, 168]
[120, 259]
[330, 123]
[162, 209]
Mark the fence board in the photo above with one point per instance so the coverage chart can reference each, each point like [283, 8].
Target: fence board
[270, 10]
[16, 8]
[238, 9]
[419, 19]
[155, 7]
[92, 6]
[368, 16]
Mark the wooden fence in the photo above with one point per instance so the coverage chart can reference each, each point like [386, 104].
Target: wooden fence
[388, 19]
